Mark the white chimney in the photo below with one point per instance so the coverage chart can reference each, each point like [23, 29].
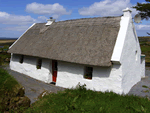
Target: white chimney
[50, 21]
[127, 12]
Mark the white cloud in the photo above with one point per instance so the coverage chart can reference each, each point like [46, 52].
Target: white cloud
[17, 28]
[41, 19]
[6, 18]
[56, 10]
[107, 8]
[142, 27]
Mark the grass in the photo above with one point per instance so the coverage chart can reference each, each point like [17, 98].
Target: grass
[145, 47]
[86, 101]
[8, 88]
[7, 41]
[78, 100]
[7, 82]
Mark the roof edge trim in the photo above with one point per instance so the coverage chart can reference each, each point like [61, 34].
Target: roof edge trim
[22, 34]
[124, 23]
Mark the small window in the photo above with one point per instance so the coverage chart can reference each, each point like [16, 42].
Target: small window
[136, 55]
[21, 59]
[88, 72]
[39, 64]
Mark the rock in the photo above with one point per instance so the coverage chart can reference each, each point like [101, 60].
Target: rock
[24, 102]
[18, 90]
[21, 92]
[43, 94]
[17, 102]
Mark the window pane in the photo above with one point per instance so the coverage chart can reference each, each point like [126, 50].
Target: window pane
[21, 59]
[88, 72]
[39, 64]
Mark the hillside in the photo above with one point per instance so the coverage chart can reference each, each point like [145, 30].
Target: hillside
[145, 47]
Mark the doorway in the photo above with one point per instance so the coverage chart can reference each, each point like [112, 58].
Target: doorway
[54, 71]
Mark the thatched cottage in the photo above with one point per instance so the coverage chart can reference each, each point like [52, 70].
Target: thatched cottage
[101, 52]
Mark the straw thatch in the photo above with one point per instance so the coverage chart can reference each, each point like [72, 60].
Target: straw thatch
[87, 41]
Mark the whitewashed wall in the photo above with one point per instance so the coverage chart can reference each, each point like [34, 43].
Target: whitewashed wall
[130, 59]
[70, 74]
[28, 67]
[103, 79]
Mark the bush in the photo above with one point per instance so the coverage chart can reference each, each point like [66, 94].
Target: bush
[4, 56]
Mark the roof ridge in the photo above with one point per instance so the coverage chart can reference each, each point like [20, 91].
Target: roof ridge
[83, 19]
[89, 18]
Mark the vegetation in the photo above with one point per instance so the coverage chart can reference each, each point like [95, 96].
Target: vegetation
[10, 93]
[6, 42]
[72, 100]
[80, 100]
[7, 82]
[145, 47]
[4, 56]
[144, 9]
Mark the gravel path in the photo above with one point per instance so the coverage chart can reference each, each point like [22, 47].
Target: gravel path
[33, 88]
[138, 90]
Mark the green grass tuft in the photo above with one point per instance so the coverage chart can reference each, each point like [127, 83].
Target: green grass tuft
[145, 86]
[87, 101]
[7, 82]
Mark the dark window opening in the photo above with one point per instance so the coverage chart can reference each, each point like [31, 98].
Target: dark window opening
[39, 64]
[21, 59]
[88, 72]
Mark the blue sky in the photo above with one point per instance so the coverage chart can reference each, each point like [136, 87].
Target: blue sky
[17, 15]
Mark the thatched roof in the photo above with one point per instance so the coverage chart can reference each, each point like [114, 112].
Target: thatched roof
[87, 41]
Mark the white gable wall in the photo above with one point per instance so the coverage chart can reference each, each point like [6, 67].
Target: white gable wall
[28, 67]
[130, 59]
[127, 53]
[116, 56]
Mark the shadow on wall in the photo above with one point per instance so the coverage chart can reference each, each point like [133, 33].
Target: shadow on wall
[16, 57]
[72, 68]
[102, 72]
[78, 69]
[32, 61]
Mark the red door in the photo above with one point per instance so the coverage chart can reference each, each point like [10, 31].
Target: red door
[54, 70]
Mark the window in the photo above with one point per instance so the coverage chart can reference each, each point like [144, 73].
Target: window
[136, 56]
[21, 59]
[88, 72]
[39, 63]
